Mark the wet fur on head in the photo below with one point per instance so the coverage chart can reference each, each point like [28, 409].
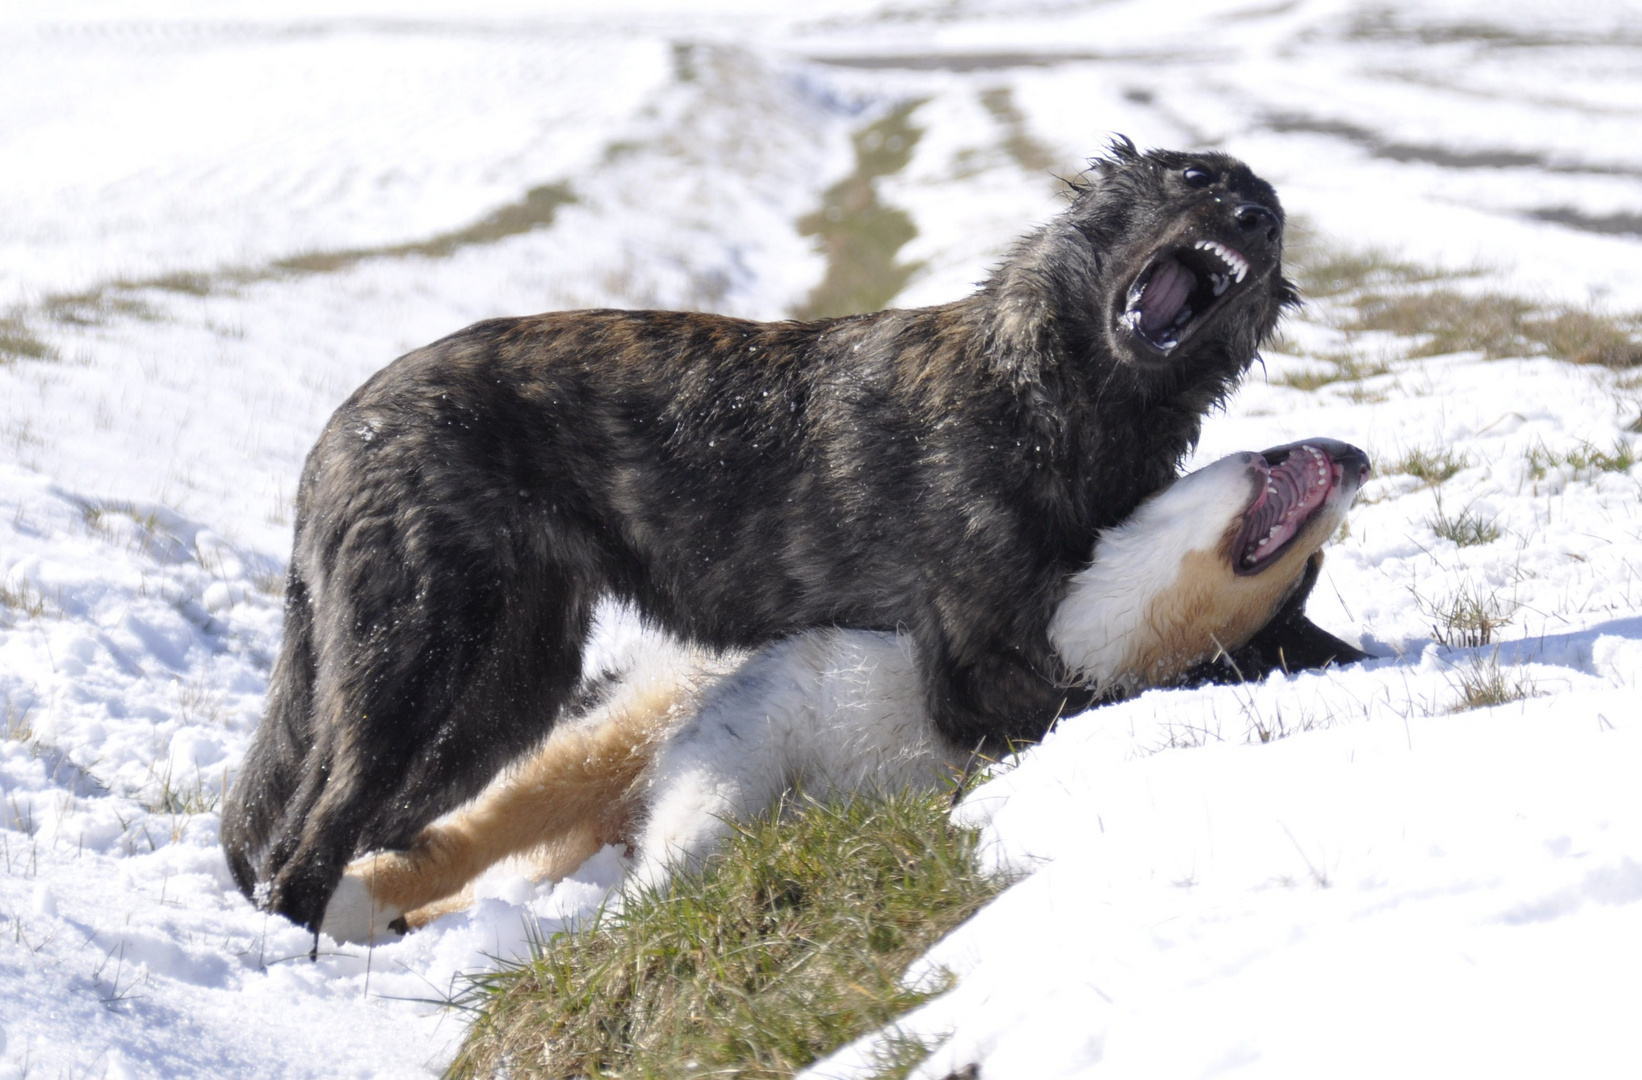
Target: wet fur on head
[941, 471]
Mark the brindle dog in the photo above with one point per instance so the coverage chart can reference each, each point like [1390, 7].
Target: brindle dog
[942, 471]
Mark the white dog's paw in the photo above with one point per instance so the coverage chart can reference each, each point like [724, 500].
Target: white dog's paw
[354, 917]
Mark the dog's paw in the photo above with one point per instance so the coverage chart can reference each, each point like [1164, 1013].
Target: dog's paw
[354, 917]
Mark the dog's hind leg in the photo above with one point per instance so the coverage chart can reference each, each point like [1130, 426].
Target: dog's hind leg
[825, 714]
[563, 803]
[274, 766]
[427, 685]
[729, 760]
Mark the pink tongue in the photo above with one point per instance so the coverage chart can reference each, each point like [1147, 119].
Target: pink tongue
[1165, 294]
[1293, 490]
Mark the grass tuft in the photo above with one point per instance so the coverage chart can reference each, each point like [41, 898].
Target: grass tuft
[1483, 685]
[23, 599]
[1585, 458]
[1468, 619]
[1432, 466]
[791, 944]
[16, 726]
[1466, 528]
[183, 797]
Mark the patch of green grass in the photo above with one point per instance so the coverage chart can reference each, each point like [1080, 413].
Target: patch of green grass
[1432, 466]
[1324, 270]
[1029, 153]
[1483, 685]
[1582, 336]
[98, 307]
[791, 944]
[1585, 458]
[18, 343]
[1341, 367]
[1365, 289]
[536, 210]
[1445, 321]
[859, 235]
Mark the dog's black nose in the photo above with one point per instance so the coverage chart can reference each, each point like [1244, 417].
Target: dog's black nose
[1253, 219]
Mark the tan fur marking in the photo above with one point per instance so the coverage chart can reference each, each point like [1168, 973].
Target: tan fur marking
[564, 802]
[1208, 610]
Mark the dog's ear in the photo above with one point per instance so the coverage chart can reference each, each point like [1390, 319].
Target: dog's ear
[1120, 152]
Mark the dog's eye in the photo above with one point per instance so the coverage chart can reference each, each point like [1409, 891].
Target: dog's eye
[1197, 177]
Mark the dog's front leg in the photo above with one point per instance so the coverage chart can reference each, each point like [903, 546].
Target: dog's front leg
[997, 701]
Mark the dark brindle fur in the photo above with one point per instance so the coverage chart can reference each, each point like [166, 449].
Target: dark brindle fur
[941, 470]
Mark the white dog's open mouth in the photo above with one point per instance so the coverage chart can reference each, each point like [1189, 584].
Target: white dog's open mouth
[1299, 481]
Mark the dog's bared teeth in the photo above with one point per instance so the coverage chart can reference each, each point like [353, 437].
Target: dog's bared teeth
[1221, 283]
[1233, 260]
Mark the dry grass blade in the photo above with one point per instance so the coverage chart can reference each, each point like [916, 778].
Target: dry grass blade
[1483, 685]
[1468, 619]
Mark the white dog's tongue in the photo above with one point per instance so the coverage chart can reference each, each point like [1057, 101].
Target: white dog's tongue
[1165, 295]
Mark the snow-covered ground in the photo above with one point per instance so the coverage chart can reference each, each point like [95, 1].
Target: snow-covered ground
[215, 222]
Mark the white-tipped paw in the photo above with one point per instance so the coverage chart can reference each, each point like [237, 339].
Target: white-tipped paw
[354, 917]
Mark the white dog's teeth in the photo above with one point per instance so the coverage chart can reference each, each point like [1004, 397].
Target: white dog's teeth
[1221, 283]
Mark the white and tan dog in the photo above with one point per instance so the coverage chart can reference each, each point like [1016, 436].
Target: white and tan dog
[1194, 575]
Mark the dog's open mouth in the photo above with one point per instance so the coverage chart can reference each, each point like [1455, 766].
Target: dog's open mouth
[1298, 481]
[1180, 289]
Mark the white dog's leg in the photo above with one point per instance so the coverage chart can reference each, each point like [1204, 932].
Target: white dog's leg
[728, 761]
[354, 916]
[827, 713]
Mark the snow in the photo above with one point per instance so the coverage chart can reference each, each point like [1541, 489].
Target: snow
[1332, 872]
